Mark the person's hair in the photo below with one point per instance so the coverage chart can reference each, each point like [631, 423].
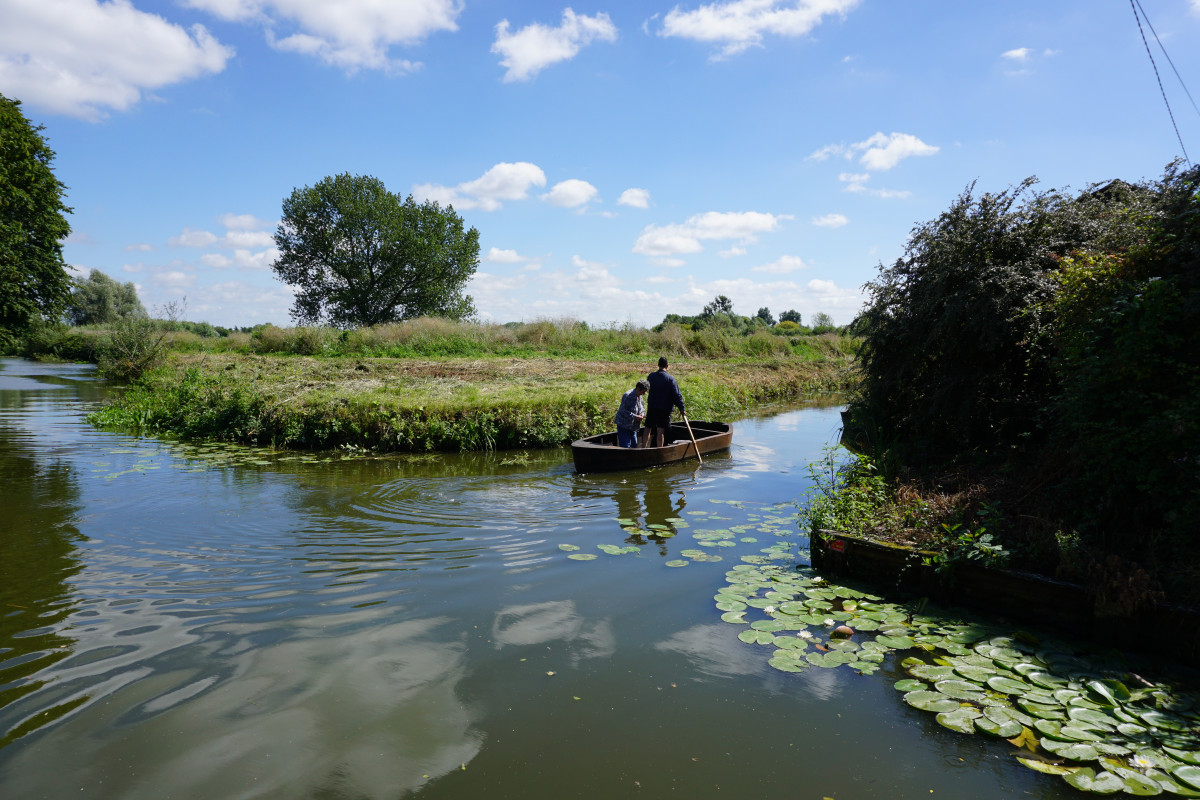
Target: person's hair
[662, 362]
[643, 385]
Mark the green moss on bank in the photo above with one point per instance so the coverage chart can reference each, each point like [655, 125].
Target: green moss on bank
[443, 404]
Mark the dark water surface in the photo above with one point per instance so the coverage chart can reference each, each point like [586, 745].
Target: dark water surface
[206, 622]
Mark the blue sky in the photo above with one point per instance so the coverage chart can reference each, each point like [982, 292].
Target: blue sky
[621, 160]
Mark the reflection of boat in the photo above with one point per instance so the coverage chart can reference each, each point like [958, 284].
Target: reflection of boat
[601, 453]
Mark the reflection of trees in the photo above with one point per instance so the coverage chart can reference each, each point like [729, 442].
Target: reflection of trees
[37, 558]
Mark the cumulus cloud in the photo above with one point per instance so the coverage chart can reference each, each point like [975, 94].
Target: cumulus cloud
[571, 193]
[140, 247]
[1019, 54]
[830, 221]
[504, 181]
[247, 239]
[242, 222]
[349, 34]
[528, 51]
[880, 152]
[636, 198]
[857, 184]
[733, 251]
[738, 25]
[781, 266]
[173, 279]
[193, 238]
[676, 239]
[84, 58]
[498, 256]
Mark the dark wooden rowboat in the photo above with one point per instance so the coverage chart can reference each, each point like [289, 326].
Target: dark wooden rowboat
[601, 453]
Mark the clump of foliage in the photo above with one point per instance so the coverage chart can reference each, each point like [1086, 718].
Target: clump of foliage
[361, 255]
[137, 344]
[99, 299]
[34, 284]
[1051, 343]
[718, 315]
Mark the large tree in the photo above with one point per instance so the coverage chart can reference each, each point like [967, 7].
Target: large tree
[34, 283]
[360, 255]
[100, 299]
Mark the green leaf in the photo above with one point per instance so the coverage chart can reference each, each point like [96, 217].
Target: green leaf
[909, 685]
[931, 701]
[961, 690]
[583, 556]
[1111, 692]
[896, 642]
[1047, 767]
[756, 637]
[568, 547]
[1188, 774]
[1087, 780]
[734, 617]
[675, 563]
[1007, 685]
[1005, 730]
[961, 719]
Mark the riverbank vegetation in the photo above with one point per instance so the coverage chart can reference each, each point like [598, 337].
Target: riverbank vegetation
[443, 403]
[1030, 373]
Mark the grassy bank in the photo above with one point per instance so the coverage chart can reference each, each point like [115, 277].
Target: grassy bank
[421, 404]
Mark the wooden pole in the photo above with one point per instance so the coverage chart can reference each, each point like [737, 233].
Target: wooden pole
[689, 427]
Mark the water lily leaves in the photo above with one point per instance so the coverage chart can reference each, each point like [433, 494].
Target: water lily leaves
[786, 664]
[1039, 710]
[1046, 767]
[959, 690]
[1005, 730]
[1072, 751]
[931, 701]
[583, 556]
[973, 673]
[678, 562]
[1169, 784]
[614, 550]
[931, 673]
[1045, 679]
[1111, 692]
[1074, 734]
[1189, 775]
[1139, 785]
[1160, 719]
[834, 658]
[1025, 739]
[734, 617]
[1090, 716]
[1000, 683]
[568, 547]
[961, 719]
[757, 637]
[896, 642]
[1186, 756]
[767, 625]
[1087, 780]
[731, 605]
[909, 685]
[790, 643]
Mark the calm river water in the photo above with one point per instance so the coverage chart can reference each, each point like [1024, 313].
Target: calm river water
[203, 622]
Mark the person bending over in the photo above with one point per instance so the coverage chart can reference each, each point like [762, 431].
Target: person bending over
[630, 414]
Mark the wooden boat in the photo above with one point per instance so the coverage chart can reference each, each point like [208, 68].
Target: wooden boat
[602, 454]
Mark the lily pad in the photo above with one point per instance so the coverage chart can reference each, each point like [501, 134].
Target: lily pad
[734, 617]
[1047, 767]
[1087, 780]
[1007, 685]
[568, 547]
[896, 642]
[910, 685]
[1005, 730]
[583, 556]
[961, 719]
[931, 701]
[757, 637]
[1188, 774]
[678, 562]
[960, 690]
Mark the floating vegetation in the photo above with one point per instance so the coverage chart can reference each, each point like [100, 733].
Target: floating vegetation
[1089, 719]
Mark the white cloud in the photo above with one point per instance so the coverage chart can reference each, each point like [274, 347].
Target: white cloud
[504, 181]
[669, 240]
[637, 198]
[192, 238]
[738, 25]
[884, 152]
[84, 58]
[350, 34]
[247, 239]
[830, 221]
[880, 151]
[140, 247]
[733, 251]
[242, 222]
[1019, 54]
[215, 260]
[498, 256]
[247, 259]
[535, 47]
[782, 266]
[174, 279]
[856, 184]
[571, 193]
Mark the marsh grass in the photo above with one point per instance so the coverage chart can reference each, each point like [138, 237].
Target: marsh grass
[420, 405]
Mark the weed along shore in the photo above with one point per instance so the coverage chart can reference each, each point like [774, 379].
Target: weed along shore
[423, 404]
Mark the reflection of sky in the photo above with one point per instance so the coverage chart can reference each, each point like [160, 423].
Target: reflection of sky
[539, 623]
[707, 647]
[374, 714]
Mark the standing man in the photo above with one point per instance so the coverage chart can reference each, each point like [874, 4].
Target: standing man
[664, 394]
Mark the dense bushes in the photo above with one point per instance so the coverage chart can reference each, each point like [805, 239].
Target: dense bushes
[1055, 341]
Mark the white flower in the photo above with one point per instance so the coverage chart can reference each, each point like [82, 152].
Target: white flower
[828, 621]
[1140, 761]
[769, 609]
[804, 635]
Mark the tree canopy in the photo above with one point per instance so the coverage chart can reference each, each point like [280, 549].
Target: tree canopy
[99, 299]
[360, 255]
[34, 283]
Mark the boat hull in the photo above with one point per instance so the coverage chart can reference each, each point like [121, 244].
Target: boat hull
[601, 453]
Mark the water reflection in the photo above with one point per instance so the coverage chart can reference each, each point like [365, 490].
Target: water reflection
[38, 555]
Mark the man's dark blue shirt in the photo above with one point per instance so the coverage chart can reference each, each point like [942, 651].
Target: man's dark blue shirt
[664, 391]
